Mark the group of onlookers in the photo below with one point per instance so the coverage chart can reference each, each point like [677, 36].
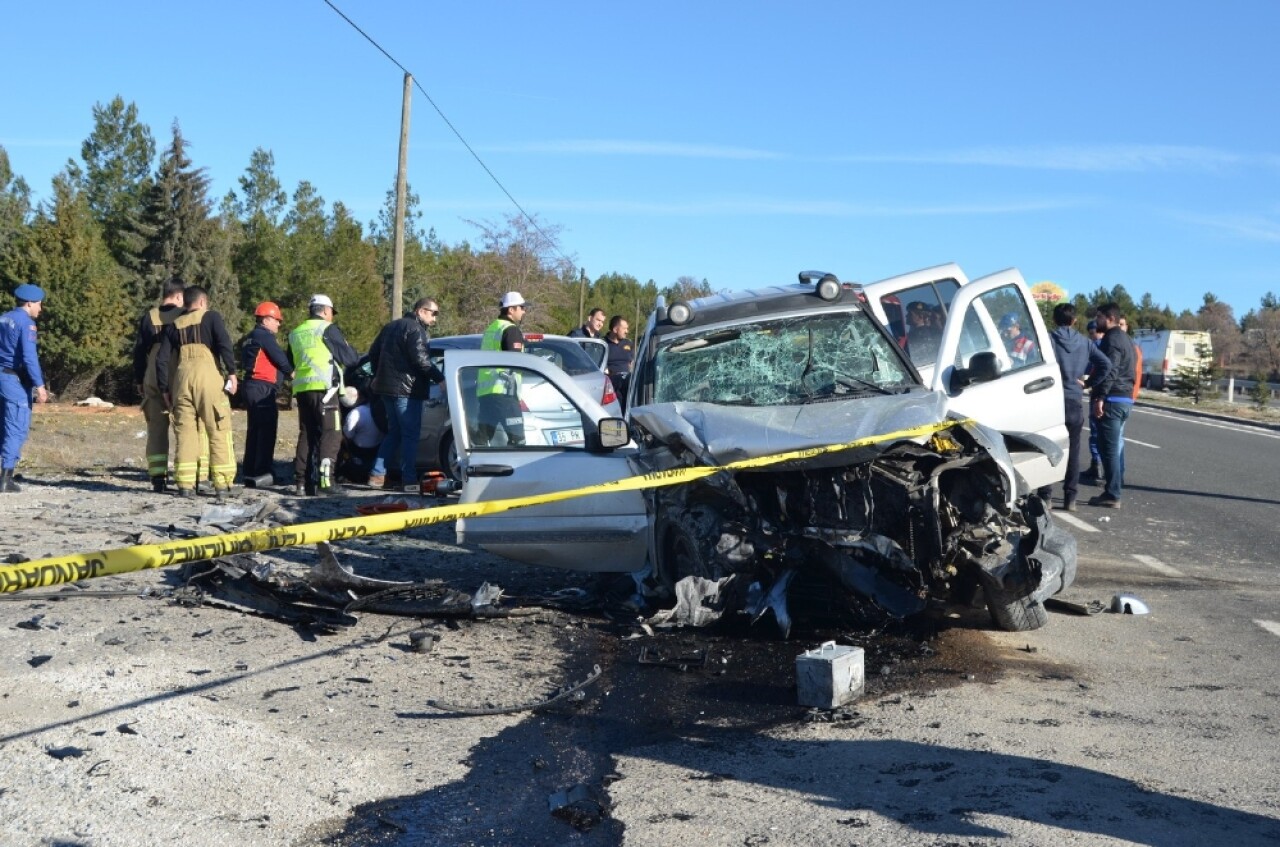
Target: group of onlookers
[621, 351]
[185, 369]
[1109, 365]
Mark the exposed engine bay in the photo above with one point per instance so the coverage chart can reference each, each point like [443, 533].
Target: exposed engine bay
[900, 527]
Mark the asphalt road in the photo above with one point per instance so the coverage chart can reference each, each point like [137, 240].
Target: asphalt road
[1161, 729]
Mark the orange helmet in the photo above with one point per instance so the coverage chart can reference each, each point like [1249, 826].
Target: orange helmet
[268, 310]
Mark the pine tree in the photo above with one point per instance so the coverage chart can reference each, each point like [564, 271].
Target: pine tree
[356, 286]
[117, 158]
[305, 236]
[15, 210]
[1197, 378]
[259, 254]
[177, 219]
[86, 325]
[1260, 393]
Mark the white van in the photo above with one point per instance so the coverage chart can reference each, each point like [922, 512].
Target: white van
[1165, 350]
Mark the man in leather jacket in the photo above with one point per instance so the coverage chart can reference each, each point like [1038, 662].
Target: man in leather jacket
[1111, 401]
[402, 377]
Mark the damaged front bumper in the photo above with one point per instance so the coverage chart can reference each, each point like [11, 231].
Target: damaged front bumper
[888, 533]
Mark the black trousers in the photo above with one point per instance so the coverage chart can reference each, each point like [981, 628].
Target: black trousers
[264, 420]
[319, 437]
[1073, 414]
[1075, 411]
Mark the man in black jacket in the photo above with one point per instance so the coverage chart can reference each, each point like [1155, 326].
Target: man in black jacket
[590, 329]
[1112, 400]
[402, 377]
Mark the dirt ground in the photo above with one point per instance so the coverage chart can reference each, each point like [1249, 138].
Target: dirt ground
[131, 713]
[130, 717]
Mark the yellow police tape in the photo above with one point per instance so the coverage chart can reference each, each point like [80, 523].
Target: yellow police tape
[41, 573]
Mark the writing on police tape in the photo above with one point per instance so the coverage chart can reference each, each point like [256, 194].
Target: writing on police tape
[56, 570]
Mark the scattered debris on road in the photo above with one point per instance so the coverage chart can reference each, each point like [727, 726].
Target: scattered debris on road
[1128, 604]
[579, 806]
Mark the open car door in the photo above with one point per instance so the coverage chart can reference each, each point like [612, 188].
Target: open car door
[524, 428]
[914, 306]
[996, 364]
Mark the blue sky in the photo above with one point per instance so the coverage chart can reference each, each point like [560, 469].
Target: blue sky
[1086, 143]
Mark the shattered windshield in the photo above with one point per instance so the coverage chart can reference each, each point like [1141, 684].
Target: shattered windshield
[783, 362]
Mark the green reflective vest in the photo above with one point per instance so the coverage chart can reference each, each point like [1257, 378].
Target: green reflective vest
[312, 361]
[496, 380]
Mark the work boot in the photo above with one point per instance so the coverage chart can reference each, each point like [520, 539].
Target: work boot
[1069, 504]
[333, 490]
[1106, 501]
[205, 487]
[298, 490]
[6, 482]
[187, 493]
[1093, 475]
[261, 481]
[159, 484]
[377, 480]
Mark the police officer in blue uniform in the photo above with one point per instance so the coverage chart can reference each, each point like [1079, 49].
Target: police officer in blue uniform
[21, 381]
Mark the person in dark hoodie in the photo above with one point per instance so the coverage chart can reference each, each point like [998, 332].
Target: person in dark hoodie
[1076, 355]
[1111, 399]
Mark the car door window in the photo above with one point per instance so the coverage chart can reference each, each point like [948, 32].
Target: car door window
[917, 316]
[999, 321]
[518, 409]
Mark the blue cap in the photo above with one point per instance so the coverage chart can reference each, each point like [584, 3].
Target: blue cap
[1009, 320]
[29, 293]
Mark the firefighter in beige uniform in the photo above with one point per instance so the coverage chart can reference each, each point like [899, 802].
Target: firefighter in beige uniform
[200, 393]
[146, 344]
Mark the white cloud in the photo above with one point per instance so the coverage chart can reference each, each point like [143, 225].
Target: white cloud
[1094, 158]
[1248, 227]
[618, 147]
[1099, 158]
[755, 206]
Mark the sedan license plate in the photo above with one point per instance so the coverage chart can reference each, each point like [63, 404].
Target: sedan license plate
[561, 437]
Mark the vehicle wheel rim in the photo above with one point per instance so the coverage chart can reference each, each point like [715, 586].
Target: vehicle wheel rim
[451, 464]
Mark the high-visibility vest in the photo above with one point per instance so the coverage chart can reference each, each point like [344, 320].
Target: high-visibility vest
[312, 361]
[488, 380]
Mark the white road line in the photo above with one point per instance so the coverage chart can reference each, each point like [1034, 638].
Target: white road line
[1243, 426]
[1270, 626]
[1067, 517]
[1157, 565]
[1143, 443]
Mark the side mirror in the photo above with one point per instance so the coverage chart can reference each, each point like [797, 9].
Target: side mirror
[613, 433]
[983, 367]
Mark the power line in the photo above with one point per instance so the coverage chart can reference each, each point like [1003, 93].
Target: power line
[533, 223]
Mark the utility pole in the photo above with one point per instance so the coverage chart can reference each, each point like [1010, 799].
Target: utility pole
[397, 255]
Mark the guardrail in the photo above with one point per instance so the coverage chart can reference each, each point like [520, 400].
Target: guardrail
[1232, 387]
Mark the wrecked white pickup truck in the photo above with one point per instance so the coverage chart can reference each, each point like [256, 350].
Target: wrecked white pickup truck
[929, 507]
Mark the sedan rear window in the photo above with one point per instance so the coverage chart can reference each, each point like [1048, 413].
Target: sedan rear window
[562, 352]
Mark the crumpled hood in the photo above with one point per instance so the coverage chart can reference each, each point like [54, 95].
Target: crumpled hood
[723, 434]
